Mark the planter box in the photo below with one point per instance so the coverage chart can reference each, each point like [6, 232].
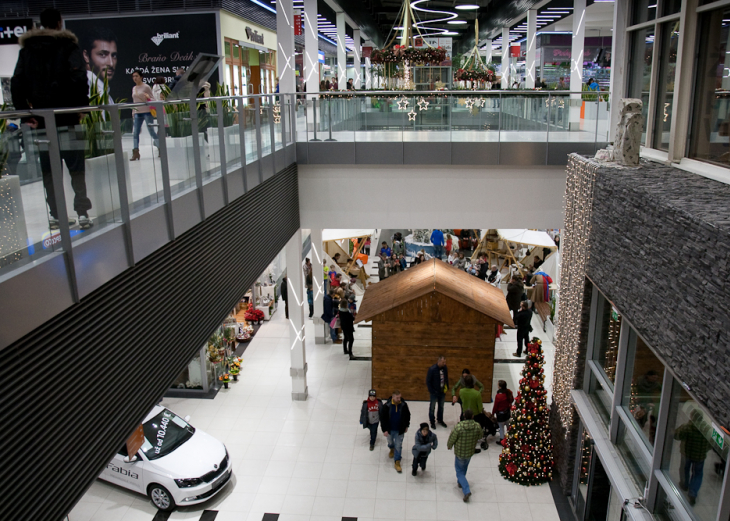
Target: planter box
[181, 159]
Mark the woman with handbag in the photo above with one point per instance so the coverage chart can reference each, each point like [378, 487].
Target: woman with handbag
[141, 93]
[502, 407]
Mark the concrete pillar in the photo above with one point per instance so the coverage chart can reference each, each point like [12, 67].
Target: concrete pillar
[297, 298]
[531, 45]
[318, 285]
[285, 46]
[311, 47]
[505, 58]
[341, 53]
[576, 62]
[488, 56]
[356, 53]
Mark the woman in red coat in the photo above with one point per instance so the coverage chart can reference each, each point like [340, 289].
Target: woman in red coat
[502, 407]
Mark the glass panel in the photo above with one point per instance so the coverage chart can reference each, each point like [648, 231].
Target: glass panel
[252, 153]
[236, 51]
[600, 492]
[710, 134]
[144, 185]
[524, 118]
[179, 142]
[665, 92]
[633, 457]
[601, 398]
[644, 395]
[608, 326]
[227, 47]
[665, 510]
[642, 48]
[643, 11]
[692, 461]
[671, 7]
[615, 507]
[231, 134]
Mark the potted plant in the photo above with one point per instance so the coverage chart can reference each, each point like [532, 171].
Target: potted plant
[234, 367]
[225, 378]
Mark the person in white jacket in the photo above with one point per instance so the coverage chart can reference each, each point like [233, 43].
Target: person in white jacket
[494, 277]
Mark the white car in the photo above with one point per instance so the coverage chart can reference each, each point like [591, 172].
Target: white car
[177, 464]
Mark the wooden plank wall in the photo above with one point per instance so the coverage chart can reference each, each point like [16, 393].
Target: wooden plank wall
[409, 338]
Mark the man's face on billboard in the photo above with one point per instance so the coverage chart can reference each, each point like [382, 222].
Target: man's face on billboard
[102, 59]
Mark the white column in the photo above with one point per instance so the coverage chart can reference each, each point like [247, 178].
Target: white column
[531, 45]
[576, 61]
[505, 58]
[368, 76]
[297, 298]
[317, 285]
[488, 56]
[356, 53]
[285, 45]
[311, 46]
[341, 53]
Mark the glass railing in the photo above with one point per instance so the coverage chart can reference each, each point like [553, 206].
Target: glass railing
[443, 116]
[68, 174]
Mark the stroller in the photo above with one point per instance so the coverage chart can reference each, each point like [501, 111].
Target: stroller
[486, 421]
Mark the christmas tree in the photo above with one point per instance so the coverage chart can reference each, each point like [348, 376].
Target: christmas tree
[527, 456]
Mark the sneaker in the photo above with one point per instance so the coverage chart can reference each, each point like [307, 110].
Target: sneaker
[85, 222]
[391, 453]
[466, 497]
[372, 447]
[477, 451]
[442, 424]
[414, 472]
[53, 223]
[398, 467]
[433, 425]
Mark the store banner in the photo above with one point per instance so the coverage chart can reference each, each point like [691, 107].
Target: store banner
[11, 30]
[514, 51]
[366, 52]
[155, 45]
[298, 23]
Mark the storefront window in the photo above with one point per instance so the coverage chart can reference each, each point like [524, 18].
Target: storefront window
[642, 49]
[643, 395]
[608, 327]
[710, 133]
[692, 459]
[665, 91]
[671, 7]
[633, 457]
[665, 510]
[643, 11]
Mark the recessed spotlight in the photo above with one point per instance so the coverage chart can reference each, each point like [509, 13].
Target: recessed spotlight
[450, 33]
[456, 22]
[466, 7]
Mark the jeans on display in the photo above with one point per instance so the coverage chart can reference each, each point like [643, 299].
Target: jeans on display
[692, 475]
[523, 336]
[438, 251]
[395, 442]
[139, 118]
[434, 399]
[76, 165]
[373, 432]
[349, 338]
[461, 466]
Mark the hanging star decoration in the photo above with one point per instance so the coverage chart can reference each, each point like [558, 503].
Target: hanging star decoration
[422, 104]
[469, 103]
[482, 102]
[277, 113]
[412, 115]
[403, 103]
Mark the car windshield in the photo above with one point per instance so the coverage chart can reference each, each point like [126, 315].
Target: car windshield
[164, 433]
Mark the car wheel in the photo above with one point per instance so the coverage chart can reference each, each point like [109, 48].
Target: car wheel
[161, 497]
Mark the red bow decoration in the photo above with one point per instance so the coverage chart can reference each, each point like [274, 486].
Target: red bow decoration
[511, 468]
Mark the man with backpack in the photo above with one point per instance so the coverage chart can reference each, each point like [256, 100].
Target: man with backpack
[51, 74]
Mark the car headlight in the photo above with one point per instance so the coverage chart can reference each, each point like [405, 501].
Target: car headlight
[190, 482]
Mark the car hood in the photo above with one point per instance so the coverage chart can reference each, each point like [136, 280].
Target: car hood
[192, 459]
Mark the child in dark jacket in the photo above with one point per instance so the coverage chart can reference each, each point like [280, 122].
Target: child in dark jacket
[425, 441]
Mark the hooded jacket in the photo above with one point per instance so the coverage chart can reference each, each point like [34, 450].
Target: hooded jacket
[50, 73]
[405, 416]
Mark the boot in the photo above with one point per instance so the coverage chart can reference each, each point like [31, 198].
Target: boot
[135, 155]
[398, 468]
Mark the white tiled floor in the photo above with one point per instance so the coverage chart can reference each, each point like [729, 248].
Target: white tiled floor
[310, 461]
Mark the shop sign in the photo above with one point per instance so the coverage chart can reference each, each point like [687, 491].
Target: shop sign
[11, 30]
[320, 56]
[514, 51]
[254, 36]
[298, 24]
[717, 436]
[366, 52]
[135, 441]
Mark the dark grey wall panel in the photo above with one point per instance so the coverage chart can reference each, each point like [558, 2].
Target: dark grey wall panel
[33, 294]
[235, 183]
[302, 152]
[377, 153]
[474, 153]
[213, 195]
[99, 259]
[149, 231]
[331, 153]
[121, 347]
[267, 166]
[291, 154]
[425, 153]
[558, 152]
[281, 158]
[524, 153]
[252, 175]
[185, 212]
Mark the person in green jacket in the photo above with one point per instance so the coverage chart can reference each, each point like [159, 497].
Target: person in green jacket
[477, 384]
[471, 399]
[463, 439]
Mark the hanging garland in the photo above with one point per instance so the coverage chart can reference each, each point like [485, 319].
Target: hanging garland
[399, 53]
[475, 70]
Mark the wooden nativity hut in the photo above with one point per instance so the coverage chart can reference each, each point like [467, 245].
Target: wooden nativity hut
[426, 311]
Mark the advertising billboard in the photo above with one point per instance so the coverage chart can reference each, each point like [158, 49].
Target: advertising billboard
[156, 45]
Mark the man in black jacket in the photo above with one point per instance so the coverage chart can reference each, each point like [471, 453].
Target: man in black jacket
[437, 381]
[285, 295]
[51, 74]
[522, 322]
[395, 418]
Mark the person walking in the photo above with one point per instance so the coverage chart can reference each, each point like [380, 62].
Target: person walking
[395, 418]
[307, 268]
[370, 415]
[522, 322]
[463, 440]
[437, 382]
[515, 290]
[437, 239]
[471, 399]
[347, 324]
[477, 384]
[51, 74]
[141, 93]
[329, 313]
[693, 450]
[425, 441]
[502, 406]
[285, 295]
[310, 294]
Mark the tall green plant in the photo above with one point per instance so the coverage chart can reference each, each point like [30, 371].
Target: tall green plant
[226, 106]
[178, 117]
[97, 124]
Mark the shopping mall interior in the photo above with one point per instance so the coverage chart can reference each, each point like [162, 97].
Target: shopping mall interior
[218, 297]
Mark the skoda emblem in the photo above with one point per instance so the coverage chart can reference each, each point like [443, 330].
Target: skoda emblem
[215, 466]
